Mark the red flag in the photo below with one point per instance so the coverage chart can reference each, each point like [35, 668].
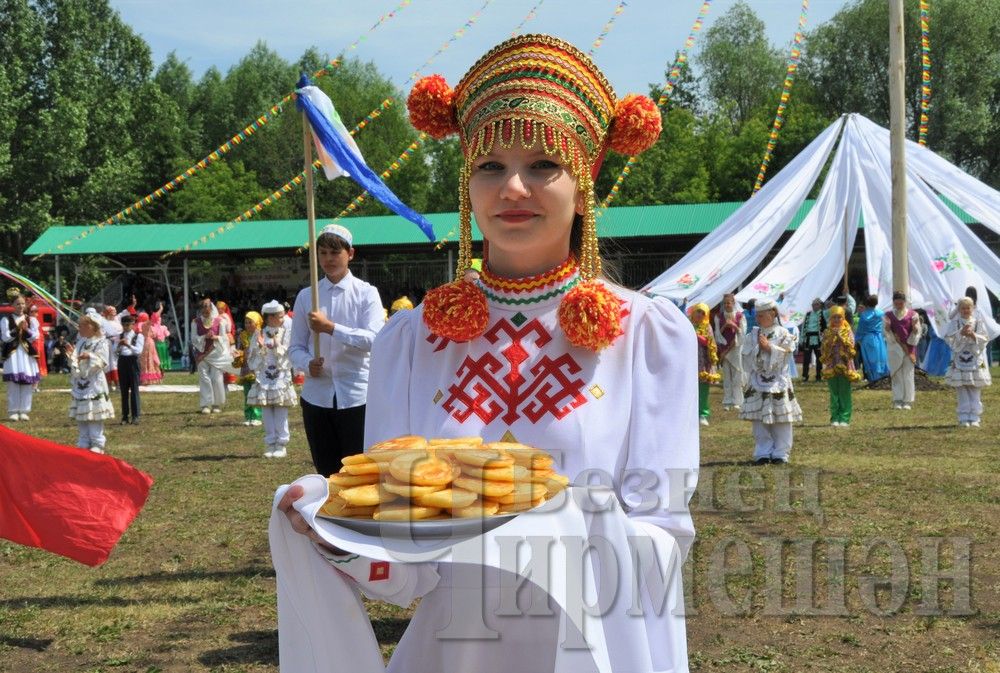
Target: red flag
[66, 500]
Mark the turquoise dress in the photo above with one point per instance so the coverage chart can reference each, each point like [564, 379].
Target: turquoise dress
[871, 344]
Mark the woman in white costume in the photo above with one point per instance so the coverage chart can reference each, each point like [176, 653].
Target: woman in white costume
[770, 397]
[272, 388]
[18, 336]
[210, 334]
[968, 373]
[730, 331]
[540, 348]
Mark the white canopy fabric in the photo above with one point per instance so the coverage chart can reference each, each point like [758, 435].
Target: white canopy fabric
[945, 256]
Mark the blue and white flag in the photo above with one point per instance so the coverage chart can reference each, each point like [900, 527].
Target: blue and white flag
[340, 155]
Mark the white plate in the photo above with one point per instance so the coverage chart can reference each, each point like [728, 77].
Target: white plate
[415, 530]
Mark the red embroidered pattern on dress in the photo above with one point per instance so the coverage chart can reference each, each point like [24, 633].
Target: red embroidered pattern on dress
[485, 389]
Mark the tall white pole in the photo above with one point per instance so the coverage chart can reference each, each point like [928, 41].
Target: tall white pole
[311, 215]
[897, 150]
[58, 288]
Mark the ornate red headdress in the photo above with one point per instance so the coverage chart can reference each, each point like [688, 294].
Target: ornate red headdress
[534, 89]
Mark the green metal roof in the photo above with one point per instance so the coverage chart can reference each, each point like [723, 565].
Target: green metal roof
[383, 230]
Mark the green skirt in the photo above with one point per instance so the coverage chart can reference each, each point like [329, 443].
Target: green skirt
[163, 350]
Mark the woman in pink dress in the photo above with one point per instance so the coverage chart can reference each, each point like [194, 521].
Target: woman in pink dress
[149, 360]
[160, 333]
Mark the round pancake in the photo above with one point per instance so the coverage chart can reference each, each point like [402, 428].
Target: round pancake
[348, 480]
[403, 443]
[484, 458]
[398, 487]
[506, 473]
[479, 509]
[413, 513]
[421, 471]
[448, 498]
[490, 489]
[366, 496]
[522, 492]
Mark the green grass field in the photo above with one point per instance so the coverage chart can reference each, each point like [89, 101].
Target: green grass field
[868, 512]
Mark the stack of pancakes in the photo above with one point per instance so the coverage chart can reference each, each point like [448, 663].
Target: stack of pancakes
[412, 478]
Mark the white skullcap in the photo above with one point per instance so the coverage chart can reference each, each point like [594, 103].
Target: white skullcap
[272, 306]
[340, 232]
[765, 304]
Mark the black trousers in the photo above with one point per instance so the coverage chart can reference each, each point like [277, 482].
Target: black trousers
[333, 434]
[128, 384]
[807, 352]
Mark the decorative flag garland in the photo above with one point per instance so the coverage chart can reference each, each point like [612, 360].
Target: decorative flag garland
[70, 314]
[675, 74]
[457, 35]
[925, 69]
[786, 93]
[531, 15]
[607, 27]
[225, 148]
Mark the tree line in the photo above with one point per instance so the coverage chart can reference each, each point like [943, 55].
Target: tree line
[88, 124]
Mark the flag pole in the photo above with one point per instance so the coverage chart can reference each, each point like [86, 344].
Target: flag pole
[311, 216]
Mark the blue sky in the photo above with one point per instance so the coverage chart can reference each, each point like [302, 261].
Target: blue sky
[640, 46]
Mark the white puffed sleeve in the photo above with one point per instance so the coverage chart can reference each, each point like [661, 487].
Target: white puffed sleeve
[387, 414]
[661, 467]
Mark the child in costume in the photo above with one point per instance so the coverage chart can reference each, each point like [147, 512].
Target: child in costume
[770, 398]
[149, 359]
[160, 334]
[730, 331]
[836, 355]
[128, 347]
[708, 358]
[253, 322]
[968, 372]
[18, 334]
[272, 387]
[90, 404]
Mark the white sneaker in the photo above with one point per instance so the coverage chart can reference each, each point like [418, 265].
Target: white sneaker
[703, 421]
[964, 424]
[206, 410]
[24, 417]
[255, 423]
[216, 410]
[907, 406]
[280, 452]
[96, 449]
[975, 424]
[897, 405]
[269, 453]
[15, 417]
[246, 423]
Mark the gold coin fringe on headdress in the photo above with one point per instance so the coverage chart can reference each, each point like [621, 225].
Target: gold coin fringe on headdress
[535, 90]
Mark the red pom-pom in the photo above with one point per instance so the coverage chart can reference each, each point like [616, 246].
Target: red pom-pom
[636, 125]
[591, 316]
[432, 107]
[456, 311]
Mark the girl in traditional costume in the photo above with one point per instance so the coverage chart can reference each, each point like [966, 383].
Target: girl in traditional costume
[272, 387]
[540, 348]
[836, 354]
[160, 334]
[89, 403]
[18, 335]
[253, 322]
[708, 358]
[213, 355]
[770, 397]
[730, 330]
[149, 359]
[968, 372]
